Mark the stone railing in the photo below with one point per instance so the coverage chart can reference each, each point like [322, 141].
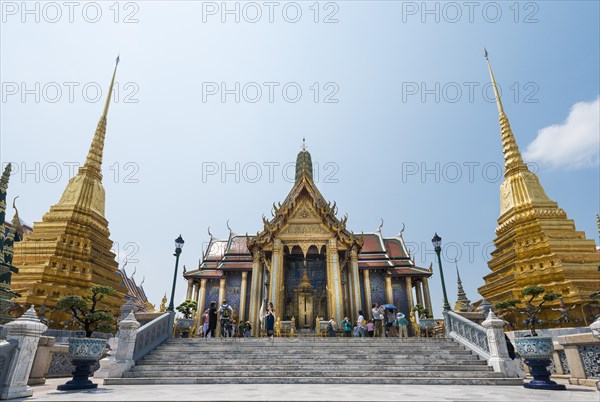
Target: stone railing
[7, 349]
[581, 358]
[487, 340]
[153, 334]
[470, 334]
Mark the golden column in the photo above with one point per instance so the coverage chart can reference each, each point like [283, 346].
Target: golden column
[427, 294]
[276, 282]
[367, 280]
[188, 295]
[201, 295]
[419, 293]
[222, 283]
[334, 284]
[256, 290]
[242, 312]
[389, 294]
[355, 289]
[409, 294]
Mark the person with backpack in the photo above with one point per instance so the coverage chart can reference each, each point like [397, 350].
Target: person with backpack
[225, 312]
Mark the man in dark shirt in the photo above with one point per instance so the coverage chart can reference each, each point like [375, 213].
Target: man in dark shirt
[212, 320]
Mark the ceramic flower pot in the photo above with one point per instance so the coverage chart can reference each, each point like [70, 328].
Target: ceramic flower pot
[537, 352]
[184, 325]
[84, 352]
[535, 347]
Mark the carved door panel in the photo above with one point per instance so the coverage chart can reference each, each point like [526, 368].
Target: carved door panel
[305, 310]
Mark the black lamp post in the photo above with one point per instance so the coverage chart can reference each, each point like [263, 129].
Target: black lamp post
[178, 247]
[437, 243]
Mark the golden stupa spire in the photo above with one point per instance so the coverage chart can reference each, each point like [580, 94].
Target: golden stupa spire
[93, 161]
[513, 161]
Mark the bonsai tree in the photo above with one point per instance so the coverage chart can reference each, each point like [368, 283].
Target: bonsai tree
[530, 310]
[85, 310]
[187, 308]
[422, 311]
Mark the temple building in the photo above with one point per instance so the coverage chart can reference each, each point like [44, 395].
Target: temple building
[69, 251]
[536, 244]
[308, 264]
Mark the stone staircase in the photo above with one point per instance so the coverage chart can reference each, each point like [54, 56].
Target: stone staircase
[312, 361]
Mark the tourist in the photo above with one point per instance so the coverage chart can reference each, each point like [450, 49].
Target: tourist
[247, 329]
[360, 324]
[377, 313]
[347, 327]
[205, 323]
[331, 326]
[371, 328]
[389, 322]
[270, 320]
[402, 323]
[240, 329]
[212, 320]
[225, 312]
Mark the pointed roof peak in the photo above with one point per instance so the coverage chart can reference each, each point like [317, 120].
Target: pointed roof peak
[513, 161]
[93, 161]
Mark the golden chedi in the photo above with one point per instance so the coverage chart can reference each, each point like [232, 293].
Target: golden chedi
[69, 250]
[536, 244]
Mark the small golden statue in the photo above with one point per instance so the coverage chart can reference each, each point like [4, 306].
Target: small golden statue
[318, 325]
[163, 304]
[414, 325]
[278, 327]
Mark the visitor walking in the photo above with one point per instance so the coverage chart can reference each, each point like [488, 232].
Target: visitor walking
[347, 327]
[360, 324]
[270, 320]
[389, 322]
[204, 323]
[371, 328]
[225, 312]
[331, 327]
[402, 323]
[212, 320]
[377, 313]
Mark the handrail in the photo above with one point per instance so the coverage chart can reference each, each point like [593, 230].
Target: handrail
[153, 334]
[468, 333]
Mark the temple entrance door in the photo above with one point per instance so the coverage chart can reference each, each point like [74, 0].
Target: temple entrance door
[305, 309]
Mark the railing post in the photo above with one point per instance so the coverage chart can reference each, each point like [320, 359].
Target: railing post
[114, 367]
[447, 323]
[499, 358]
[25, 332]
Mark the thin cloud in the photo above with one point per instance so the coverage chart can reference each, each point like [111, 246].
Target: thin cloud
[573, 144]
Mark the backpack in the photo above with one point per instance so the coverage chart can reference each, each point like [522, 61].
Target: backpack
[226, 312]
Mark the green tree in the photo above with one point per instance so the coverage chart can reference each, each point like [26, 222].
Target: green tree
[85, 310]
[531, 311]
[187, 308]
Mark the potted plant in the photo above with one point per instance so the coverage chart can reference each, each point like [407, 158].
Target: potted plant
[426, 323]
[185, 324]
[535, 350]
[85, 352]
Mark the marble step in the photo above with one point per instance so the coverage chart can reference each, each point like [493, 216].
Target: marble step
[321, 367]
[310, 352]
[317, 347]
[309, 373]
[475, 380]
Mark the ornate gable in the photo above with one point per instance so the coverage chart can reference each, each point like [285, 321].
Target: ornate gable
[304, 214]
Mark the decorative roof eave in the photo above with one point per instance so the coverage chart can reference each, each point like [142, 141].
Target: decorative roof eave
[281, 213]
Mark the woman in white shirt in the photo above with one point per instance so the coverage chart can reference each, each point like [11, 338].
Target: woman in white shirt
[359, 324]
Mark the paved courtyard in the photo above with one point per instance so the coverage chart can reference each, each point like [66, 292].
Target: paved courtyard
[256, 392]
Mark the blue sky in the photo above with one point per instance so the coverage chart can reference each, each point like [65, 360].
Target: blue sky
[393, 126]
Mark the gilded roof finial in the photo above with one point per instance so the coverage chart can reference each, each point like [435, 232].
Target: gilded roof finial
[462, 302]
[513, 161]
[380, 226]
[94, 158]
